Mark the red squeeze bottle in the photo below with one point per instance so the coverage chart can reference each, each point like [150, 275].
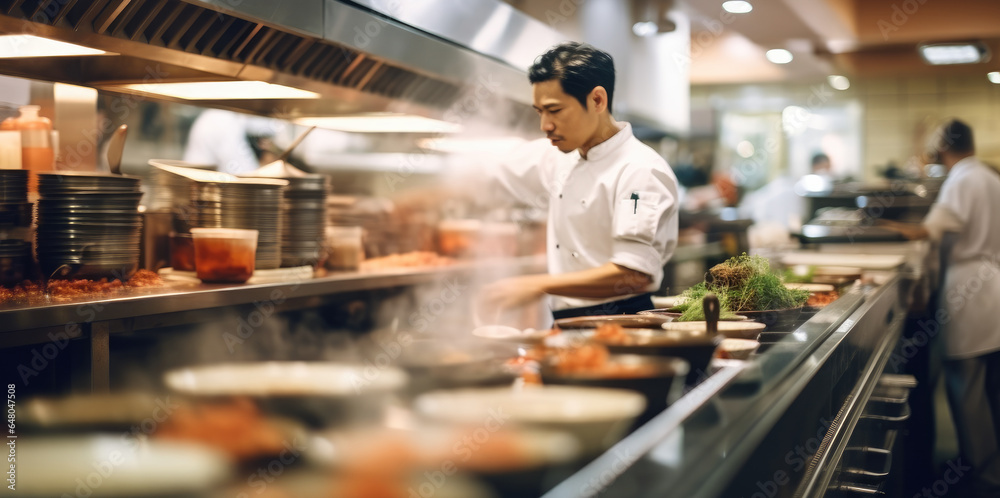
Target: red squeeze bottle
[37, 153]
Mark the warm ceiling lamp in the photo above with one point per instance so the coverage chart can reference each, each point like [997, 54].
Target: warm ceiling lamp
[652, 17]
[838, 82]
[779, 56]
[381, 122]
[954, 53]
[470, 145]
[222, 90]
[994, 77]
[20, 46]
[737, 6]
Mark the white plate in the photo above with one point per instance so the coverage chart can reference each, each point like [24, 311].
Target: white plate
[660, 302]
[728, 329]
[811, 287]
[284, 379]
[863, 261]
[431, 443]
[596, 417]
[115, 466]
[510, 334]
[738, 349]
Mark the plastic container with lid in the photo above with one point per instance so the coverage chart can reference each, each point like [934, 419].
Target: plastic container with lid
[345, 248]
[224, 254]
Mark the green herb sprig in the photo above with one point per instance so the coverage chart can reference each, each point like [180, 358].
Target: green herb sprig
[742, 283]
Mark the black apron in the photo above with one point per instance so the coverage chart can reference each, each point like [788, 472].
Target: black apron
[628, 306]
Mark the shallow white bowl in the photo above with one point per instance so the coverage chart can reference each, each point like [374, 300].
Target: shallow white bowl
[597, 417]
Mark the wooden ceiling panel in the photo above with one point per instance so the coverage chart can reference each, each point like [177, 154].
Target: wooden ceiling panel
[880, 22]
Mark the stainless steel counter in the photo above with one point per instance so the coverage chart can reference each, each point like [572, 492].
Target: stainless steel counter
[775, 427]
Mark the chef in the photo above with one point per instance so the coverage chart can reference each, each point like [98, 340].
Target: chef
[611, 200]
[969, 206]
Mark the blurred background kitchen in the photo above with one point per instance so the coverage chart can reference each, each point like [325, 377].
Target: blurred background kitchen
[790, 124]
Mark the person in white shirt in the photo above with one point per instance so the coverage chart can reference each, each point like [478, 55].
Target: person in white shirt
[222, 138]
[969, 206]
[611, 200]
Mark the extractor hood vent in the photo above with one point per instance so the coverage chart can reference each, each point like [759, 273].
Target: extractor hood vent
[198, 30]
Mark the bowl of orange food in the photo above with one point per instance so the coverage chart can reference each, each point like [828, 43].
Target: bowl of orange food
[694, 346]
[659, 378]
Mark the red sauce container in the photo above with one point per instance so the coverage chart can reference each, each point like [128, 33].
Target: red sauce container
[224, 254]
[182, 252]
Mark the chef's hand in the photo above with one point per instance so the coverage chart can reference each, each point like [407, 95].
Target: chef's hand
[512, 292]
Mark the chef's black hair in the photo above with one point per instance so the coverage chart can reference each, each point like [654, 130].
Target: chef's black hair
[956, 137]
[579, 68]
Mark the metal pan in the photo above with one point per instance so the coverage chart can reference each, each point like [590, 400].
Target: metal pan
[626, 321]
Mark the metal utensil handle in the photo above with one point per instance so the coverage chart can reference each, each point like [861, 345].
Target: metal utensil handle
[284, 155]
[711, 306]
[859, 490]
[116, 147]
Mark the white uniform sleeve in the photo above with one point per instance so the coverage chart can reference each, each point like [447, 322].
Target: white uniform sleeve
[521, 176]
[955, 197]
[645, 219]
[941, 219]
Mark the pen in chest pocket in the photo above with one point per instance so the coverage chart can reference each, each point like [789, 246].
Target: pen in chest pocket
[635, 201]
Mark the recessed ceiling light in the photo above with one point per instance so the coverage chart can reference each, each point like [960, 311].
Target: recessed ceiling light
[222, 90]
[470, 145]
[737, 6]
[994, 77]
[838, 82]
[954, 53]
[18, 46]
[779, 56]
[382, 122]
[645, 28]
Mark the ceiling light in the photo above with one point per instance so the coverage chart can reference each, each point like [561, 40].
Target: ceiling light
[382, 122]
[745, 149]
[737, 6]
[644, 28]
[954, 53]
[779, 56]
[795, 120]
[17, 46]
[222, 90]
[994, 77]
[470, 145]
[838, 82]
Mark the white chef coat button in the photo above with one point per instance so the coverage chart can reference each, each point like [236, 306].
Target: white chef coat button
[575, 254]
[557, 246]
[583, 202]
[560, 196]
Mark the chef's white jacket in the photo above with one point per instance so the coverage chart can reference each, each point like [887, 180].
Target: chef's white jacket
[618, 205]
[969, 203]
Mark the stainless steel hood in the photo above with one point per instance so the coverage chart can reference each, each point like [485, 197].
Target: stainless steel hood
[459, 60]
[358, 58]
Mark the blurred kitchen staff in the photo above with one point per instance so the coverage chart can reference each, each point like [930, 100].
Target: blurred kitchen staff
[969, 205]
[225, 139]
[611, 200]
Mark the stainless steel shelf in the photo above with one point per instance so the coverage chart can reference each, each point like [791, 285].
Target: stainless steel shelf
[175, 297]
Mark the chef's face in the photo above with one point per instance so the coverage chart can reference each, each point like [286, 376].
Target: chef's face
[563, 119]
